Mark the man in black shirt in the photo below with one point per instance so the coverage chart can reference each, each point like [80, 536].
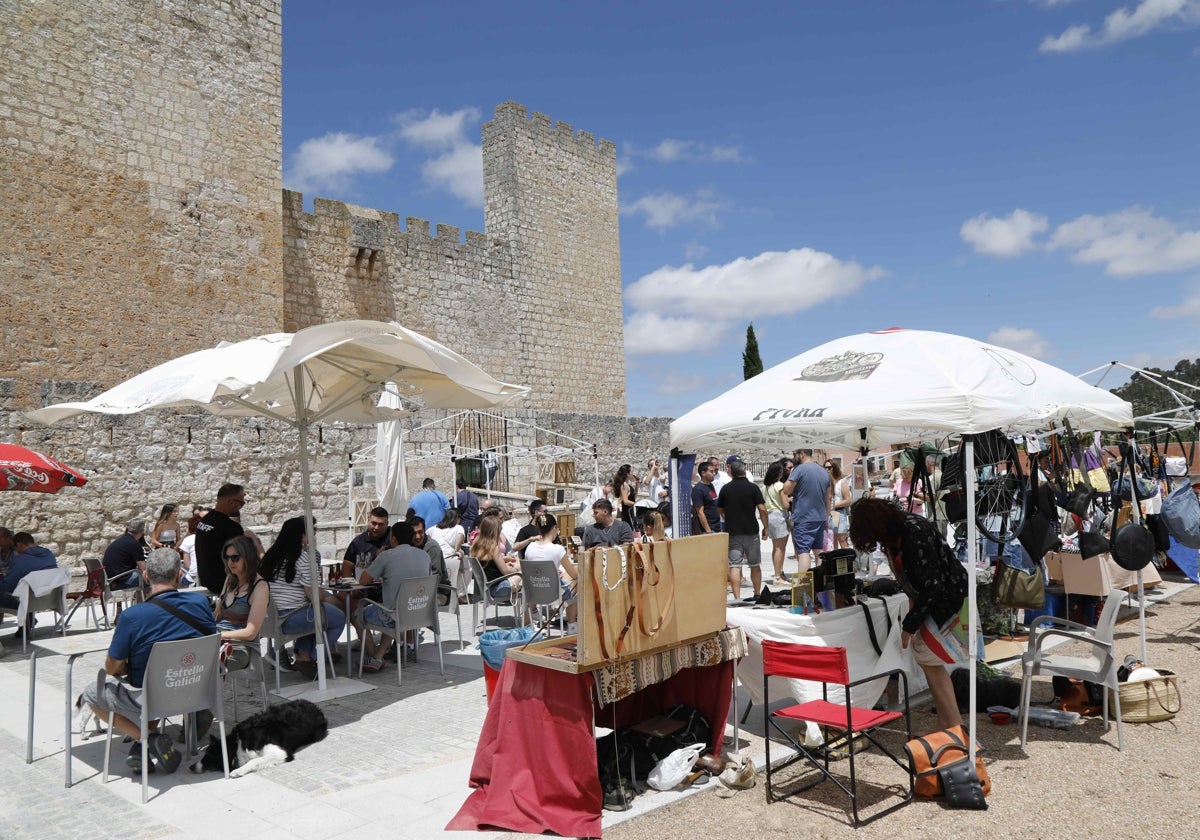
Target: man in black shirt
[737, 503]
[125, 557]
[705, 518]
[530, 532]
[367, 544]
[213, 530]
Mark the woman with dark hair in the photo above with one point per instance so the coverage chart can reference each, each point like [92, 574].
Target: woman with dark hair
[545, 548]
[931, 576]
[286, 567]
[625, 485]
[450, 536]
[242, 605]
[778, 525]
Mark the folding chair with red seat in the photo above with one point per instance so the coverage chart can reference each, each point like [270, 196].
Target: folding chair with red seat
[828, 666]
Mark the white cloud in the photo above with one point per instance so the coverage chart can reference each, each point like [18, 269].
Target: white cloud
[1188, 308]
[331, 162]
[681, 384]
[694, 251]
[437, 130]
[1124, 24]
[666, 210]
[459, 171]
[457, 166]
[705, 302]
[1003, 236]
[672, 150]
[650, 333]
[1130, 243]
[1022, 340]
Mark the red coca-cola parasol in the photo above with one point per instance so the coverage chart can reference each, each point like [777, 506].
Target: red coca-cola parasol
[24, 469]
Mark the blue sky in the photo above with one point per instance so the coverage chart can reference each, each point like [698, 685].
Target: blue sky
[1018, 171]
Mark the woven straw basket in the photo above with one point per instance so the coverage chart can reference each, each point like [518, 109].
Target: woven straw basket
[1148, 701]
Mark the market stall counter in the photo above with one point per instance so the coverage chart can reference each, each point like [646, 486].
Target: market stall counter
[535, 765]
[651, 634]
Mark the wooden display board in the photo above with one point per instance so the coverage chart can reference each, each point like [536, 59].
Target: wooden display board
[675, 589]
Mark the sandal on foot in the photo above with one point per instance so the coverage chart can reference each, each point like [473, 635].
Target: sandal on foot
[373, 665]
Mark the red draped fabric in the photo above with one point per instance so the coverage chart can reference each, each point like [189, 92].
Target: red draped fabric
[535, 765]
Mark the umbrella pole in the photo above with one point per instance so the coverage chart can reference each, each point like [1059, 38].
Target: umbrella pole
[972, 572]
[314, 571]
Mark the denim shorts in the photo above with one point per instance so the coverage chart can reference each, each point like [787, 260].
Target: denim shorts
[806, 534]
[373, 615]
[744, 548]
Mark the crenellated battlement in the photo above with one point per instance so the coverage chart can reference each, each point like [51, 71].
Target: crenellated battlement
[512, 114]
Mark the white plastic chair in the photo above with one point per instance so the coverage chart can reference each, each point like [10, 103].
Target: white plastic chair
[272, 630]
[181, 677]
[541, 587]
[484, 594]
[415, 609]
[1098, 667]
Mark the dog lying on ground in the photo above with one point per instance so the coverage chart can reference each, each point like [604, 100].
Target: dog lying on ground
[265, 739]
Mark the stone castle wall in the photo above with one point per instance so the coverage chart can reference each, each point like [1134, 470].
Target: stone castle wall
[139, 184]
[142, 216]
[536, 300]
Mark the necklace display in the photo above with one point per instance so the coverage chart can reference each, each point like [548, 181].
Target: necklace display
[604, 570]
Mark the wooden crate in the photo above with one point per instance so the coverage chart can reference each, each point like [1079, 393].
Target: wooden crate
[535, 654]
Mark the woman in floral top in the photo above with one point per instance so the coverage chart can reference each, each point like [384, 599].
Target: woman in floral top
[931, 576]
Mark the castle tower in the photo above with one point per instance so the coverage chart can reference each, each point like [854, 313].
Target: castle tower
[551, 194]
[140, 178]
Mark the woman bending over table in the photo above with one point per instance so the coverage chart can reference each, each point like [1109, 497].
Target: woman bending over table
[242, 605]
[931, 576]
[286, 567]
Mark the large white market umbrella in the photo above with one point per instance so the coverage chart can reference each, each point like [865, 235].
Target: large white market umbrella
[321, 373]
[896, 386]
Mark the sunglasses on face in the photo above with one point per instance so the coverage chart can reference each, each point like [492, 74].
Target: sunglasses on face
[230, 558]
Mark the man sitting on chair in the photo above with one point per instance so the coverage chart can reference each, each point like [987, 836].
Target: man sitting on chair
[400, 562]
[139, 628]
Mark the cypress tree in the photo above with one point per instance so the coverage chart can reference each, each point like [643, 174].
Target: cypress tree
[751, 362]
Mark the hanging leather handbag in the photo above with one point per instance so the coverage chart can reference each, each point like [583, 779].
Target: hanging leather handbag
[1132, 544]
[1037, 535]
[1093, 544]
[1181, 514]
[1018, 589]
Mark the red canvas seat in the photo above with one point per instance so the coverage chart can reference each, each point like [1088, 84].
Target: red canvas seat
[844, 720]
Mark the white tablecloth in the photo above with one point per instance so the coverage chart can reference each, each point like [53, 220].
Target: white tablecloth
[846, 628]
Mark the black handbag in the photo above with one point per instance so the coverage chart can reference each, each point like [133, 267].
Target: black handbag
[962, 786]
[1132, 544]
[1038, 534]
[1093, 544]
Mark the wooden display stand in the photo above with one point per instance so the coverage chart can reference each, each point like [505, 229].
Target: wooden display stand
[667, 594]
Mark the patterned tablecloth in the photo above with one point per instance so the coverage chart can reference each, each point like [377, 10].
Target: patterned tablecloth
[622, 679]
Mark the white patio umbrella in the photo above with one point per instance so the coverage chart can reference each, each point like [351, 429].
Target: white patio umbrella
[896, 386]
[321, 373]
[391, 477]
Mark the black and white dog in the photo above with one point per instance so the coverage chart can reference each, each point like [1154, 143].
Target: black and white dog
[265, 739]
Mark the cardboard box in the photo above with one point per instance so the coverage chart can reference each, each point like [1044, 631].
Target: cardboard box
[1098, 575]
[652, 597]
[1054, 567]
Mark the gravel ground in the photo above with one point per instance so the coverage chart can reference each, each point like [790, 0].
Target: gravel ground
[1065, 784]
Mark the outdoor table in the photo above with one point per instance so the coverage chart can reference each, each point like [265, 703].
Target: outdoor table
[845, 627]
[72, 647]
[345, 592]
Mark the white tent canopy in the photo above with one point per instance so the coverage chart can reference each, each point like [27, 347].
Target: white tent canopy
[325, 372]
[895, 386]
